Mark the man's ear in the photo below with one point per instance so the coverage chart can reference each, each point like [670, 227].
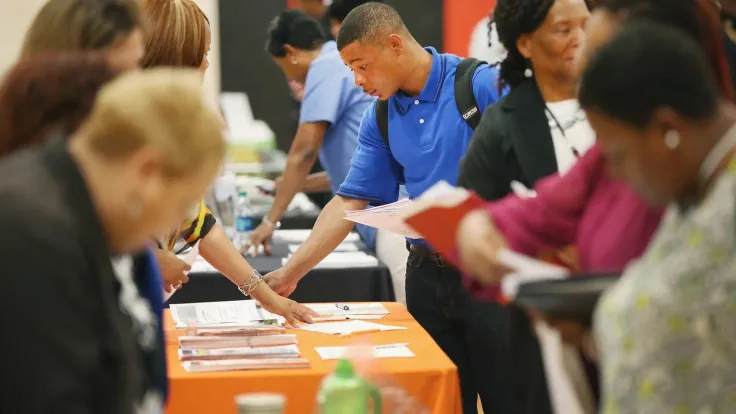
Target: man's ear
[395, 43]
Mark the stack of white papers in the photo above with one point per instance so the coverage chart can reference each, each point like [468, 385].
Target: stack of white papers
[353, 309]
[283, 351]
[231, 314]
[224, 342]
[218, 313]
[349, 327]
[299, 236]
[386, 217]
[379, 351]
[343, 260]
[242, 364]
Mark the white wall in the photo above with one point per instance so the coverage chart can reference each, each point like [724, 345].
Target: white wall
[212, 78]
[16, 16]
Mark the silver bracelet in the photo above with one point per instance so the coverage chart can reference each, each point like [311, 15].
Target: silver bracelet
[269, 223]
[251, 283]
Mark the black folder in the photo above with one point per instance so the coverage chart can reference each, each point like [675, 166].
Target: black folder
[573, 298]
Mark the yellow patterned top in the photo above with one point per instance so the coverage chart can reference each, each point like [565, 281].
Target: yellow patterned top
[181, 239]
[666, 331]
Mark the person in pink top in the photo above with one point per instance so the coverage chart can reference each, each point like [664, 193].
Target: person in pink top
[607, 222]
[603, 218]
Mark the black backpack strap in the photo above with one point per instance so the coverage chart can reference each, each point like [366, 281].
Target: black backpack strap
[382, 120]
[464, 96]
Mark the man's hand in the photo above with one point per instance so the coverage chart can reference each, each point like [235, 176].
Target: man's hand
[280, 283]
[260, 236]
[173, 270]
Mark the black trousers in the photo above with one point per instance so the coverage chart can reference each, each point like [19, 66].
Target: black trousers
[471, 333]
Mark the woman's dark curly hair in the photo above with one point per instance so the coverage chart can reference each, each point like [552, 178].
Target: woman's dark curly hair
[42, 94]
[512, 19]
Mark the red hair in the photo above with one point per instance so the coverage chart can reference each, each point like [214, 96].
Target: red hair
[698, 18]
[714, 46]
[46, 93]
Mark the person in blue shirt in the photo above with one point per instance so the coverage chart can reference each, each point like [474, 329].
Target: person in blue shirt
[427, 138]
[329, 118]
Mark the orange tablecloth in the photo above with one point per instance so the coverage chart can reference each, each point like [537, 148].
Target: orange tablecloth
[430, 376]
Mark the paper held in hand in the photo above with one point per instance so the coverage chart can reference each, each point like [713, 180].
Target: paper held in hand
[387, 217]
[437, 213]
[525, 269]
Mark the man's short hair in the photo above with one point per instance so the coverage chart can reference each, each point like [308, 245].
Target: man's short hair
[367, 23]
[339, 9]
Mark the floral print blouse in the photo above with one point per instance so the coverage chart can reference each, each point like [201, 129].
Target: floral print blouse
[666, 331]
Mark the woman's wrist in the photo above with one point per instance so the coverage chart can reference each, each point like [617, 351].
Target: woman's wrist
[263, 293]
[249, 285]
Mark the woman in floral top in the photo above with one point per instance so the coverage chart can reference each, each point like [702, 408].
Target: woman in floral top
[665, 331]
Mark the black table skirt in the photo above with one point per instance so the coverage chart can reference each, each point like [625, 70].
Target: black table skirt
[364, 284]
[303, 221]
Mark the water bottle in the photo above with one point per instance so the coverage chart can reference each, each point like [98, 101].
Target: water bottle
[244, 223]
[345, 392]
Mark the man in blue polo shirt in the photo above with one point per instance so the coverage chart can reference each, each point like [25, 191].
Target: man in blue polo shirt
[428, 136]
[330, 116]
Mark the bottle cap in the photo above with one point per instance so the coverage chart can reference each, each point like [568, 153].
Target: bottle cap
[344, 369]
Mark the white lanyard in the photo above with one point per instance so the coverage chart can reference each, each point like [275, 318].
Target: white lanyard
[716, 155]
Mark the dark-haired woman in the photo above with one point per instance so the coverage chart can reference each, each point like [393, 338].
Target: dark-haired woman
[537, 130]
[665, 330]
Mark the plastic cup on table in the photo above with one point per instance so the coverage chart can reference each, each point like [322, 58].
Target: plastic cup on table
[260, 403]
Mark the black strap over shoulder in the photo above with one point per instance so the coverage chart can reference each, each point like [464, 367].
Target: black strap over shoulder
[464, 96]
[382, 120]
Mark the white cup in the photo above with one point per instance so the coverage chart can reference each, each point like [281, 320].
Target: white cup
[260, 403]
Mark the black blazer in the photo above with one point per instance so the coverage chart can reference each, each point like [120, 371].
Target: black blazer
[67, 346]
[512, 142]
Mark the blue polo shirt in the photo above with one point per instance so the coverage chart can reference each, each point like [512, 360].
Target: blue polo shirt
[330, 95]
[428, 137]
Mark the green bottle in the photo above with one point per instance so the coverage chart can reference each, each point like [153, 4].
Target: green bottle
[343, 392]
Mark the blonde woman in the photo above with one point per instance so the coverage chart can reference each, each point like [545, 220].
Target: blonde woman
[113, 26]
[180, 36]
[82, 208]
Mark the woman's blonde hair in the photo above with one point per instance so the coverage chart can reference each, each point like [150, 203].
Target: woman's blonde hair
[178, 34]
[163, 108]
[74, 25]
